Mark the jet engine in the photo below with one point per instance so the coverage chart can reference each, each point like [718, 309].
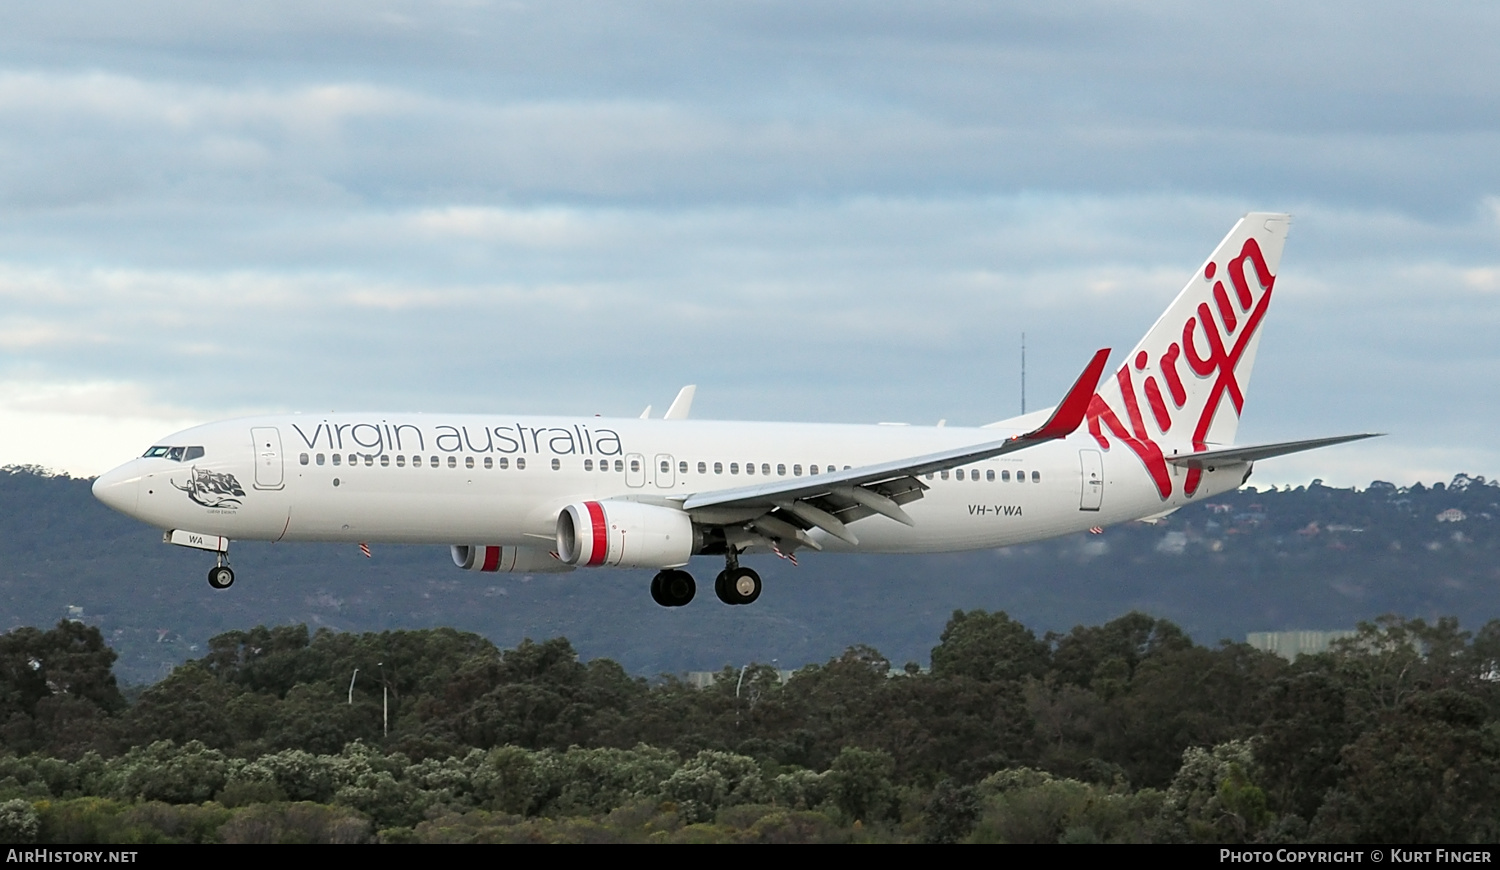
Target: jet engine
[624, 533]
[506, 560]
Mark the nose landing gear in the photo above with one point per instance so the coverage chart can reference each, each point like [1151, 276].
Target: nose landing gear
[221, 576]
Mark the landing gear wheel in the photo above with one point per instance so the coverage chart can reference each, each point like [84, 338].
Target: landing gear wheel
[737, 586]
[221, 577]
[673, 588]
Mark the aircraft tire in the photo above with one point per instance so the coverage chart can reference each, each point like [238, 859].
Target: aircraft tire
[738, 586]
[221, 577]
[679, 587]
[673, 588]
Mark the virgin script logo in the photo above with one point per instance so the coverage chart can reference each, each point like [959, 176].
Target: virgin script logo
[1210, 354]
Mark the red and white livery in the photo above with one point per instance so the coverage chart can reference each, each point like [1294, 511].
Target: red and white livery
[537, 494]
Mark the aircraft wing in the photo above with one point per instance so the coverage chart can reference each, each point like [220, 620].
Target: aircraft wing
[1251, 452]
[785, 509]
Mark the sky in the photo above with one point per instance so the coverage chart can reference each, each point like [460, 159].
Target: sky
[830, 211]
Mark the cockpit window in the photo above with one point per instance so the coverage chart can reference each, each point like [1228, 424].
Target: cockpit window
[176, 454]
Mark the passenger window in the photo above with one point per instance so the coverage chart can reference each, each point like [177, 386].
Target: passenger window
[682, 467]
[635, 465]
[781, 469]
[1036, 477]
[354, 459]
[468, 462]
[303, 459]
[749, 468]
[1005, 475]
[504, 463]
[556, 464]
[765, 468]
[619, 465]
[336, 459]
[588, 465]
[520, 463]
[1020, 477]
[812, 469]
[796, 471]
[989, 475]
[369, 459]
[489, 462]
[433, 461]
[319, 459]
[385, 460]
[400, 460]
[197, 453]
[703, 468]
[734, 468]
[416, 462]
[943, 475]
[929, 475]
[718, 468]
[665, 466]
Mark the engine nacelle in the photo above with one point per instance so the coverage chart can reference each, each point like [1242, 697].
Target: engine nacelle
[505, 560]
[624, 533]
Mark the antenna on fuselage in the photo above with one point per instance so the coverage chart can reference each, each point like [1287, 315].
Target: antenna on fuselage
[1023, 373]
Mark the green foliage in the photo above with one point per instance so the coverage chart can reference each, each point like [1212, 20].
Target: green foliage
[989, 647]
[1428, 773]
[1394, 735]
[57, 692]
[1029, 806]
[19, 821]
[859, 784]
[1213, 798]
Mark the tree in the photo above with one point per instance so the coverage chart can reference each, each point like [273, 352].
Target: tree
[990, 647]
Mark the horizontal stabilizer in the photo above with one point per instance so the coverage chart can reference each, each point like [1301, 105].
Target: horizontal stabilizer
[1253, 452]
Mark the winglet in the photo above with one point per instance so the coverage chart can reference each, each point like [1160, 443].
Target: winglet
[1071, 410]
[682, 404]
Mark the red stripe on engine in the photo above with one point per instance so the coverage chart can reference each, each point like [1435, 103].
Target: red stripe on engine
[491, 559]
[601, 533]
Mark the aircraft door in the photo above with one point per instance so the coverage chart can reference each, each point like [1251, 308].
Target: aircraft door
[666, 478]
[635, 469]
[1092, 464]
[268, 470]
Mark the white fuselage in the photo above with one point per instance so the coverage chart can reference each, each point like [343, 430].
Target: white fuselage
[429, 479]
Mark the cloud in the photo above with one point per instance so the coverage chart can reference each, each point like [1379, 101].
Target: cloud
[846, 211]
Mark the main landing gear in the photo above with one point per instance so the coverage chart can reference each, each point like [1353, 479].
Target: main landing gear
[673, 588]
[221, 576]
[734, 585]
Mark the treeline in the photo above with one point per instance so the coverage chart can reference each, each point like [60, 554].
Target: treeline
[1126, 731]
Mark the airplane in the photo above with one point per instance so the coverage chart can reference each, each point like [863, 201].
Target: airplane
[518, 494]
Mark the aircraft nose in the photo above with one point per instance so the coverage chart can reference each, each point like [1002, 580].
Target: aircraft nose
[120, 488]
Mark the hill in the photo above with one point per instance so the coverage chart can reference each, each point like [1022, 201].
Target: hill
[1310, 558]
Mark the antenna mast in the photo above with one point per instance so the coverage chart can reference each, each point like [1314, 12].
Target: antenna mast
[1023, 373]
